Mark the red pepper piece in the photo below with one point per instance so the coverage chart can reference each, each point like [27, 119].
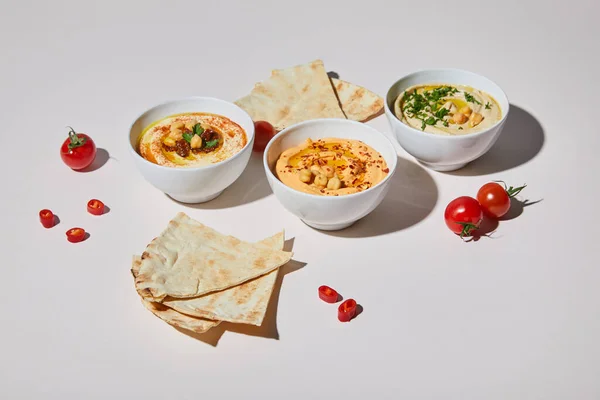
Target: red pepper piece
[47, 218]
[75, 235]
[328, 294]
[347, 310]
[95, 207]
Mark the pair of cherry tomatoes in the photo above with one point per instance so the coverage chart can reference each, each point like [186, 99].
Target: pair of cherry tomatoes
[464, 214]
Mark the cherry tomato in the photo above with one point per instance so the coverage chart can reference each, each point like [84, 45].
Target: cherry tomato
[47, 218]
[78, 151]
[347, 310]
[95, 207]
[75, 235]
[328, 294]
[463, 215]
[263, 132]
[495, 199]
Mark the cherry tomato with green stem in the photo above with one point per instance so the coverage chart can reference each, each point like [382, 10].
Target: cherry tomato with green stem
[463, 215]
[78, 150]
[495, 199]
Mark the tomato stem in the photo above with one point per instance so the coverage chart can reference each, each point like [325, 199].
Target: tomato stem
[76, 141]
[467, 228]
[512, 191]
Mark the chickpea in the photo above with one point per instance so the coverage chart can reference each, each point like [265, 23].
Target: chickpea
[175, 134]
[328, 171]
[465, 110]
[450, 106]
[459, 118]
[315, 169]
[169, 141]
[190, 125]
[196, 142]
[305, 176]
[334, 183]
[321, 180]
[475, 119]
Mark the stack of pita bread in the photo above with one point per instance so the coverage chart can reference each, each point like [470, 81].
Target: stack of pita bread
[305, 92]
[194, 277]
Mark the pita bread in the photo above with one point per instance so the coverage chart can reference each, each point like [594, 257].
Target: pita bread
[245, 304]
[170, 316]
[189, 259]
[358, 103]
[293, 95]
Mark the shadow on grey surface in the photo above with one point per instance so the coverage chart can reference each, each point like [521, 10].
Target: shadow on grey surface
[251, 186]
[521, 140]
[517, 207]
[412, 196]
[101, 158]
[268, 329]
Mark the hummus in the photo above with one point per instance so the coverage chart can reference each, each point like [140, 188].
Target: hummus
[191, 140]
[447, 109]
[331, 167]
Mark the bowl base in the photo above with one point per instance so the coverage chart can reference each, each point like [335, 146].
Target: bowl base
[443, 167]
[193, 199]
[332, 227]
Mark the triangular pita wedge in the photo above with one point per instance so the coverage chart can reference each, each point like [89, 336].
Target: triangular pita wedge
[170, 316]
[293, 95]
[245, 304]
[189, 259]
[358, 103]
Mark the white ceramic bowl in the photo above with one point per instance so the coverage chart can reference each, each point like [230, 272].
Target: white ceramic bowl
[198, 184]
[329, 212]
[441, 152]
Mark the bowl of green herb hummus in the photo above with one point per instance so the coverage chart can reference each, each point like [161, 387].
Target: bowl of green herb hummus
[446, 118]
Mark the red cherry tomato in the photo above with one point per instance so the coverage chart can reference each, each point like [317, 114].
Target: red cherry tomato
[47, 218]
[78, 151]
[463, 215]
[347, 310]
[75, 235]
[495, 199]
[95, 207]
[263, 132]
[328, 294]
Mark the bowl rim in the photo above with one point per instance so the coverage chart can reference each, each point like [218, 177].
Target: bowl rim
[446, 137]
[249, 141]
[318, 121]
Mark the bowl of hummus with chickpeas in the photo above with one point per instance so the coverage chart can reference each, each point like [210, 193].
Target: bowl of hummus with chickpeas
[330, 172]
[446, 118]
[194, 148]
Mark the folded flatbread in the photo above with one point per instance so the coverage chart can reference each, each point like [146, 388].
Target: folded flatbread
[358, 103]
[172, 317]
[244, 304]
[189, 259]
[293, 95]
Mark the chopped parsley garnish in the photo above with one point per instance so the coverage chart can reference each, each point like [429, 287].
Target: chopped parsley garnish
[428, 105]
[460, 128]
[211, 143]
[488, 105]
[197, 129]
[188, 137]
[470, 98]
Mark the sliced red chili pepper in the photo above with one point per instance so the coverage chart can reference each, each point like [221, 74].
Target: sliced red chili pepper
[95, 207]
[347, 310]
[75, 235]
[47, 218]
[328, 294]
